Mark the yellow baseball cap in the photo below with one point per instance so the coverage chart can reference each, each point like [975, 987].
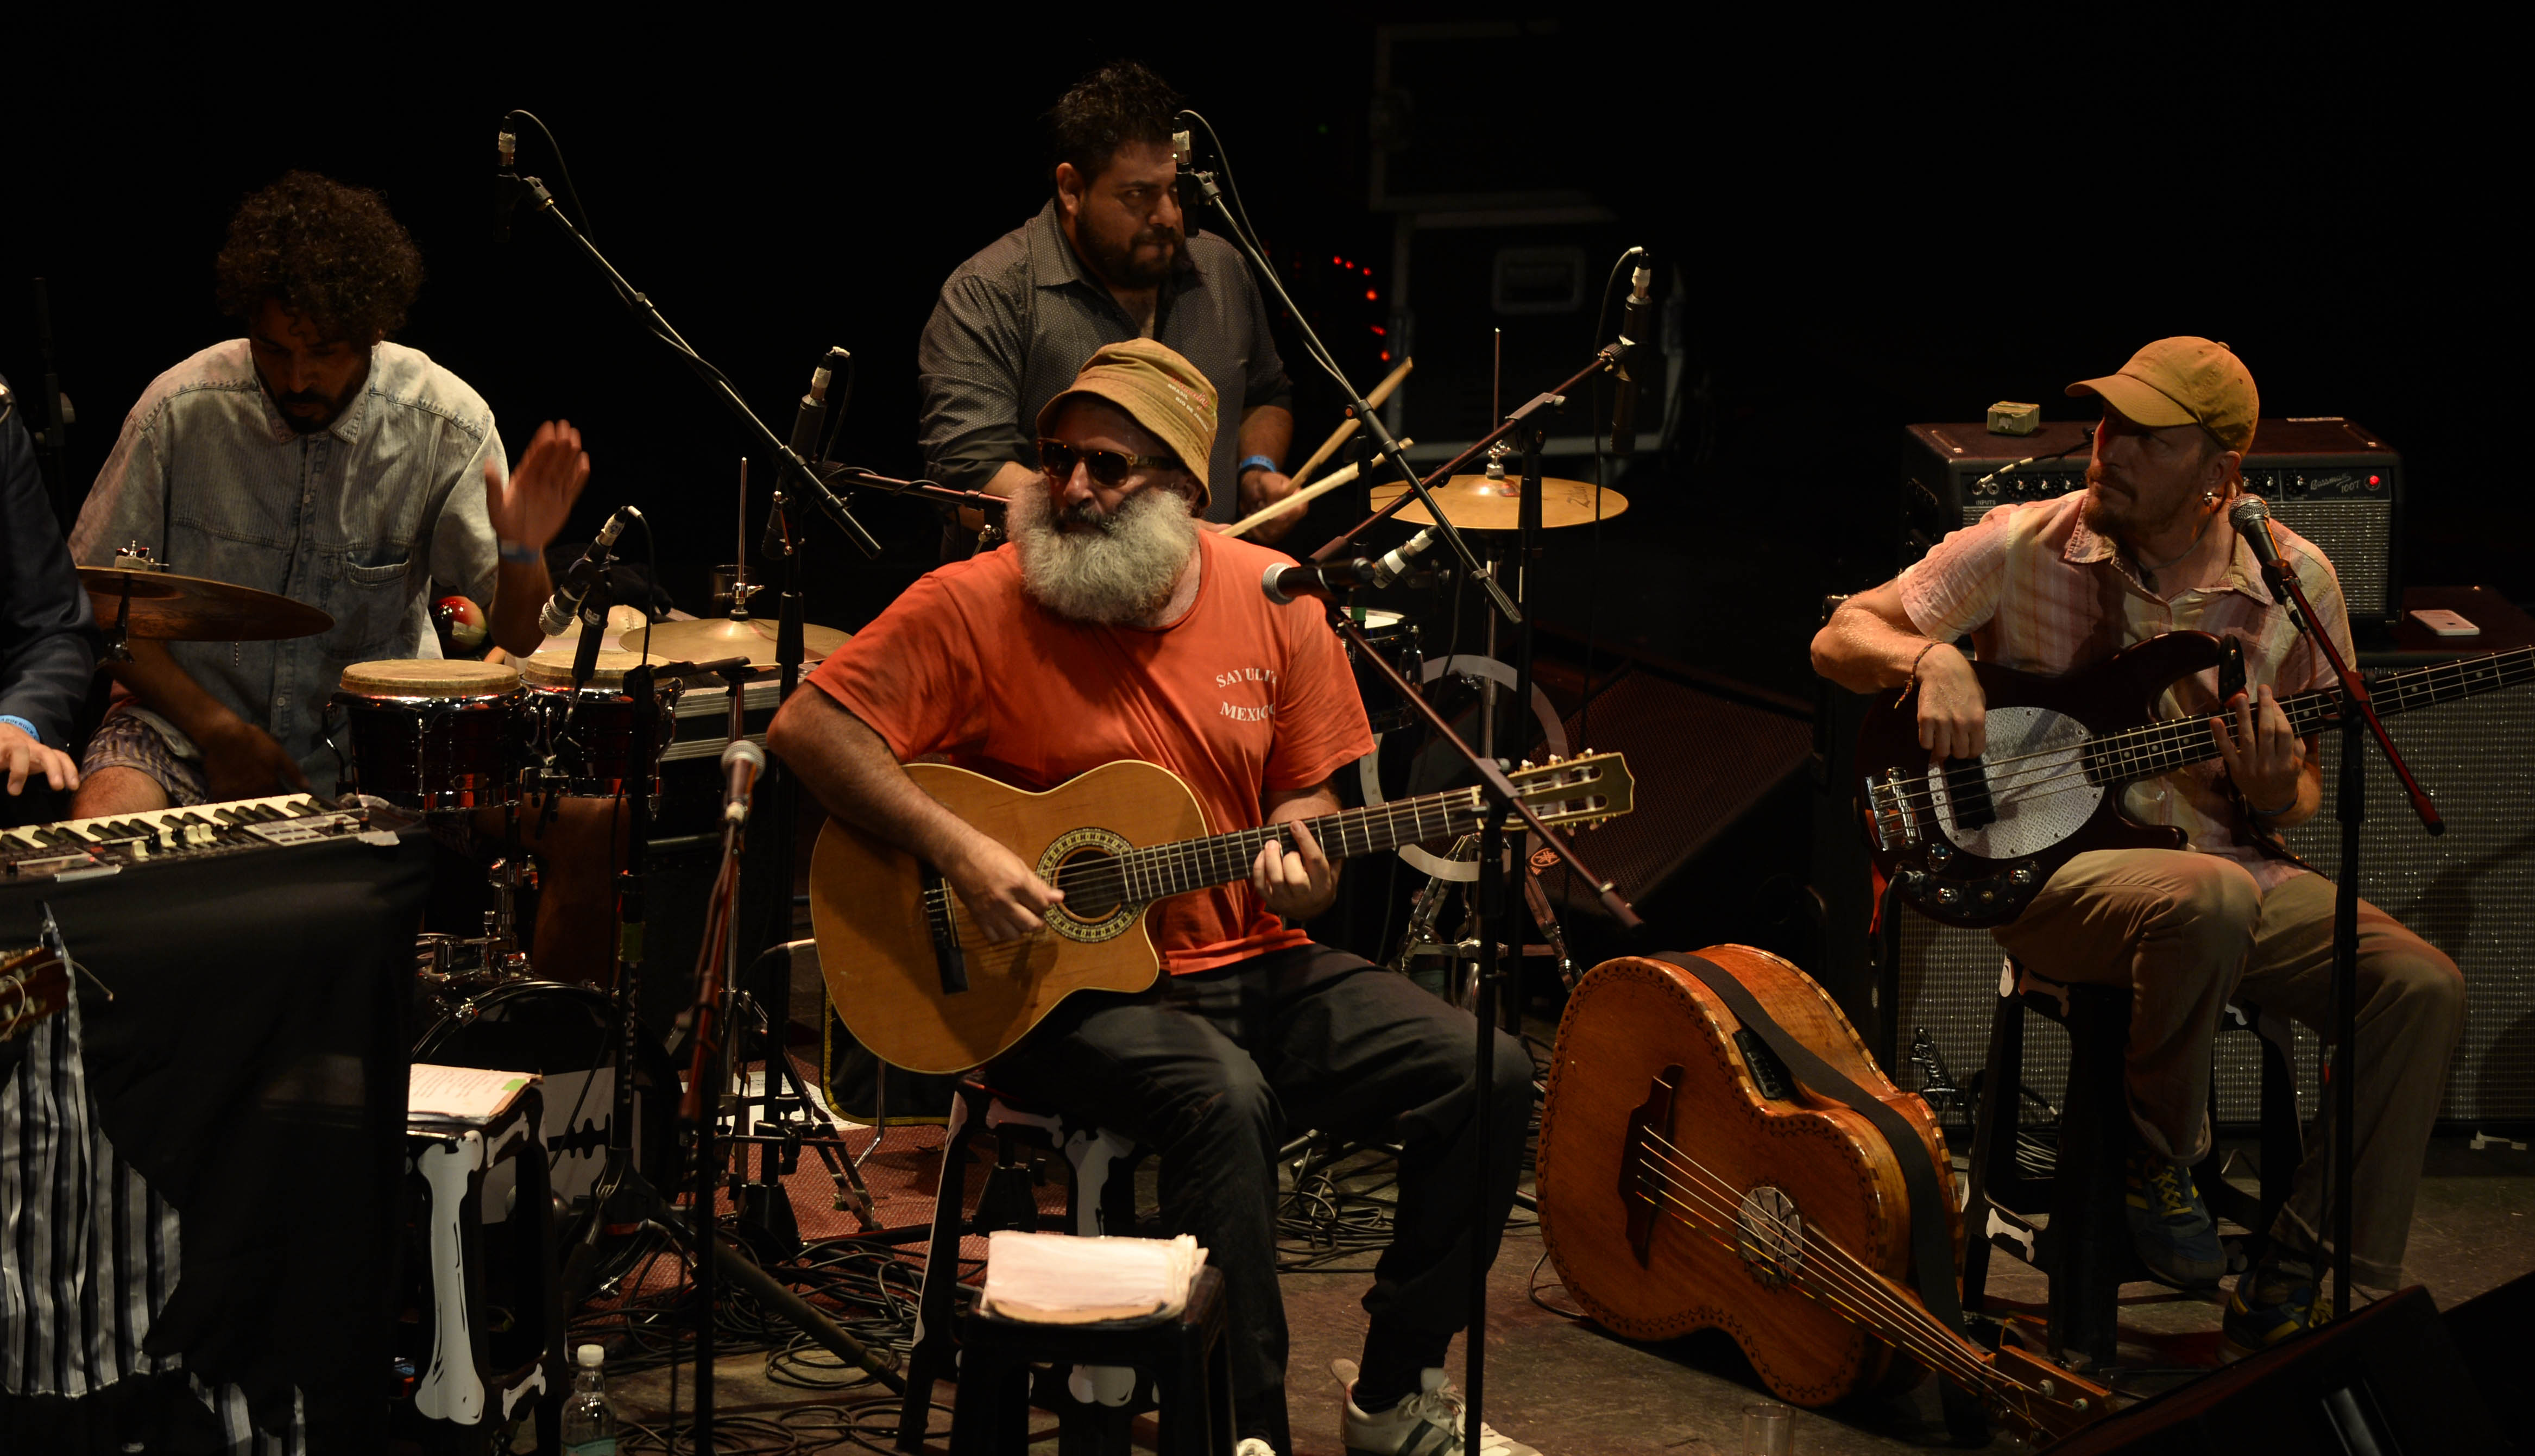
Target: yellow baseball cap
[1160, 389]
[2183, 380]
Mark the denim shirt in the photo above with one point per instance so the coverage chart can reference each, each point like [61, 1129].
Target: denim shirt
[358, 519]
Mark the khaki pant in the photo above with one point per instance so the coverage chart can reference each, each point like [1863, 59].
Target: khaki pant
[2189, 932]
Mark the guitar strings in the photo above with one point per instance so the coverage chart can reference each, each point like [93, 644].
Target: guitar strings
[1875, 1291]
[1858, 1283]
[2188, 738]
[2184, 740]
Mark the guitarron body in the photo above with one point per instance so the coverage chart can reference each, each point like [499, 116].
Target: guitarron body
[876, 913]
[1748, 1185]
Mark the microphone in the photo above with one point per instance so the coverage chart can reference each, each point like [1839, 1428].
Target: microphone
[2252, 518]
[506, 183]
[1328, 580]
[740, 763]
[811, 422]
[1633, 324]
[1395, 561]
[565, 604]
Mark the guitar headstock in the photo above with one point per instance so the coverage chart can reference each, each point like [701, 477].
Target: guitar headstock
[33, 986]
[1584, 789]
[2048, 1401]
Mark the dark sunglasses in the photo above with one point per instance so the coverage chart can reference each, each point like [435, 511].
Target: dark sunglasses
[1108, 467]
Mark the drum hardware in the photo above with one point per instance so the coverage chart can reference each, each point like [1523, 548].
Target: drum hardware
[732, 588]
[1456, 980]
[1397, 640]
[138, 597]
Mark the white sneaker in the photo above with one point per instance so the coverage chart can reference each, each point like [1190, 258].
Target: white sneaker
[1427, 1423]
[1252, 1445]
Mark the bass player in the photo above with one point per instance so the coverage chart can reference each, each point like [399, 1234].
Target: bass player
[2052, 587]
[1113, 627]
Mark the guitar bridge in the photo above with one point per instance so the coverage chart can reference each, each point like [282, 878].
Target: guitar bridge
[948, 958]
[1890, 813]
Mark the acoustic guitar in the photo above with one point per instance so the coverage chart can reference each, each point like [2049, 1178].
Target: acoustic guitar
[915, 980]
[1687, 1181]
[1971, 841]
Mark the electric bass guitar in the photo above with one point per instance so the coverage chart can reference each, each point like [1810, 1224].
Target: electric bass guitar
[1689, 1180]
[913, 979]
[1969, 841]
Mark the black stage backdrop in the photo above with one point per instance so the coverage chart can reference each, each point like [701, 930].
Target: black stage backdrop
[1872, 228]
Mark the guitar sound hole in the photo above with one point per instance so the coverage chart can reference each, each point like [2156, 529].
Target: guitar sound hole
[1093, 889]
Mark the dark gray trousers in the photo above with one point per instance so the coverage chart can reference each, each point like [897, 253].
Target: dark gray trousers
[1213, 1070]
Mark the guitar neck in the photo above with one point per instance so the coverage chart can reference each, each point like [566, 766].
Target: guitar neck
[2155, 748]
[1158, 871]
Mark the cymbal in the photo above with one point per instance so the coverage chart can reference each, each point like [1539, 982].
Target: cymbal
[708, 639]
[189, 609]
[1477, 503]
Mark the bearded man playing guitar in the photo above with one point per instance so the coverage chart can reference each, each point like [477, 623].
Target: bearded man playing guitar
[2053, 586]
[1115, 627]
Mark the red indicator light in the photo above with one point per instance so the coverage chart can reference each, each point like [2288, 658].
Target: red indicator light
[1386, 356]
[1370, 295]
[1368, 273]
[1338, 263]
[2374, 481]
[1377, 328]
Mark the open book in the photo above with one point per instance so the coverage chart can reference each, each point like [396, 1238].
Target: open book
[1055, 1279]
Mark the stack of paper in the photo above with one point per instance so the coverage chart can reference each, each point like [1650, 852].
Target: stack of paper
[1054, 1278]
[438, 1093]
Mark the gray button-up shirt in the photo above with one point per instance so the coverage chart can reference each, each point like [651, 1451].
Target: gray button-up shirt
[357, 520]
[1017, 322]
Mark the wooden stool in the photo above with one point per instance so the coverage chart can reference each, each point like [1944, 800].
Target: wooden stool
[1184, 1355]
[1101, 1200]
[2085, 1247]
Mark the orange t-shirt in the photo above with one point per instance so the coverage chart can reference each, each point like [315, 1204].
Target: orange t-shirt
[1239, 697]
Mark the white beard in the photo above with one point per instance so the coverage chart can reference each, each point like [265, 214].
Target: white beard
[1118, 574]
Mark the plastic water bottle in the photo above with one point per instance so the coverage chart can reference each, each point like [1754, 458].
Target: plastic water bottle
[588, 1421]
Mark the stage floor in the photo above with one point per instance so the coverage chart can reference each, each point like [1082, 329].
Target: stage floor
[1563, 1385]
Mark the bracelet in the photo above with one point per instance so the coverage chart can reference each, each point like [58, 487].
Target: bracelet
[1251, 463]
[1912, 681]
[22, 725]
[518, 554]
[2271, 813]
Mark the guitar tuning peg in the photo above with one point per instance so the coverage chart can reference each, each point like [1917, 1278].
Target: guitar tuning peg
[1526, 762]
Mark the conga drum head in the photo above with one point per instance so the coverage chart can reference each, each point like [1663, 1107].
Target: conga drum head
[552, 668]
[430, 677]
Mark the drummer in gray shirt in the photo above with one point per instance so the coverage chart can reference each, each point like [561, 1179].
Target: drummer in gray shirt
[314, 460]
[1106, 260]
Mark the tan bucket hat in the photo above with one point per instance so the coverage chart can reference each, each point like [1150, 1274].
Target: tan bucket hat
[1160, 389]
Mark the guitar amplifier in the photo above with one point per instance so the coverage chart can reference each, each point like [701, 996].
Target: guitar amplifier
[2470, 892]
[2329, 480]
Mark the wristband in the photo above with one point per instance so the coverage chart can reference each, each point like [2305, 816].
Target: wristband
[1251, 463]
[22, 725]
[2271, 813]
[518, 554]
[1912, 681]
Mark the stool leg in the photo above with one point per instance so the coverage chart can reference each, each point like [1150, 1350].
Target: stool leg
[1995, 1112]
[2090, 1227]
[989, 1392]
[932, 1358]
[2283, 1146]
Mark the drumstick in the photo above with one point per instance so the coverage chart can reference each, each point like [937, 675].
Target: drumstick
[1302, 497]
[1338, 436]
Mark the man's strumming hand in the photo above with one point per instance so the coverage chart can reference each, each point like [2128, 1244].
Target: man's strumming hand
[1003, 896]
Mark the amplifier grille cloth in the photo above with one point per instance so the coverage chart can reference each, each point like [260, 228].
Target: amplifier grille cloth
[2471, 893]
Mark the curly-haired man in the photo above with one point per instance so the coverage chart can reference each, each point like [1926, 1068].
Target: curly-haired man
[1104, 260]
[316, 460]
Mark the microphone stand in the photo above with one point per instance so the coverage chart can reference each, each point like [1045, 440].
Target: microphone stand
[2357, 709]
[1504, 801]
[1383, 441]
[789, 460]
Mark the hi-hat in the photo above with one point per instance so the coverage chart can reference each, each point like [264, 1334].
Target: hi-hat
[710, 639]
[190, 608]
[1477, 503]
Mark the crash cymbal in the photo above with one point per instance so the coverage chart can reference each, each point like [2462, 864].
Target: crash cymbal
[190, 608]
[710, 639]
[1477, 503]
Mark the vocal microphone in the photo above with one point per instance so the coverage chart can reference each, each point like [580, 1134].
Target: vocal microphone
[1632, 325]
[505, 184]
[1328, 580]
[740, 762]
[2252, 518]
[811, 422]
[1395, 561]
[565, 604]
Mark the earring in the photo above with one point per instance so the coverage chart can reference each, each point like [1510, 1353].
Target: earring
[2209, 497]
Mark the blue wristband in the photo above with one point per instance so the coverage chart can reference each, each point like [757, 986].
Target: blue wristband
[22, 725]
[1254, 462]
[518, 554]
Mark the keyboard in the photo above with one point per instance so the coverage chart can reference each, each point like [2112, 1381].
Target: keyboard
[77, 849]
